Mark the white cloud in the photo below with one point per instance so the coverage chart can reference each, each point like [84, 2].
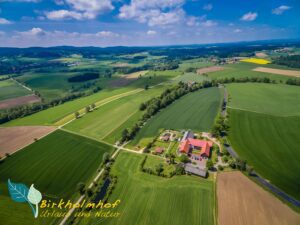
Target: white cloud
[281, 9]
[106, 34]
[151, 32]
[209, 23]
[4, 21]
[154, 12]
[237, 30]
[91, 8]
[35, 31]
[80, 9]
[208, 7]
[250, 16]
[64, 14]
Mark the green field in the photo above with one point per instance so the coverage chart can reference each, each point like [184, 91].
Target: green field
[274, 99]
[271, 145]
[54, 114]
[149, 199]
[191, 77]
[105, 120]
[55, 164]
[10, 89]
[243, 69]
[195, 63]
[195, 111]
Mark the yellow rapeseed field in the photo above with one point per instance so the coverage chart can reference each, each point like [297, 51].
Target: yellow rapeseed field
[256, 61]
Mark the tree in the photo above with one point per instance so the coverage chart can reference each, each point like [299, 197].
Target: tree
[220, 167]
[159, 169]
[81, 188]
[146, 87]
[184, 159]
[143, 106]
[77, 115]
[105, 157]
[87, 109]
[125, 133]
[209, 164]
[93, 105]
[89, 192]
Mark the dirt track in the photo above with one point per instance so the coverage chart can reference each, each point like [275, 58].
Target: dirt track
[209, 69]
[9, 103]
[242, 202]
[292, 73]
[15, 138]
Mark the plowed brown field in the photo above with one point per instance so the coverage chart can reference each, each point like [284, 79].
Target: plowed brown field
[243, 202]
[15, 138]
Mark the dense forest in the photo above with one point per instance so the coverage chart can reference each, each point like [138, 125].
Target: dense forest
[290, 61]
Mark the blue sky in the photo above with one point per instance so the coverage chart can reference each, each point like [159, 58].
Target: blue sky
[145, 22]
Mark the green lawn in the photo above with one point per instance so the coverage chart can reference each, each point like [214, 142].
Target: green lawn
[54, 114]
[195, 111]
[149, 199]
[104, 121]
[55, 164]
[275, 99]
[271, 145]
[10, 89]
[243, 69]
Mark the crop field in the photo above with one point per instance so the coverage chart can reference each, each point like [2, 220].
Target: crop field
[105, 120]
[149, 199]
[291, 73]
[210, 69]
[271, 145]
[256, 61]
[14, 138]
[191, 77]
[52, 115]
[54, 170]
[274, 99]
[14, 102]
[243, 69]
[10, 89]
[241, 201]
[195, 111]
[195, 63]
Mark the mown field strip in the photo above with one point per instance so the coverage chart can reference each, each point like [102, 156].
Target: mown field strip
[98, 104]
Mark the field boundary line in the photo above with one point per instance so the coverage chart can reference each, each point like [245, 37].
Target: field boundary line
[102, 103]
[240, 109]
[29, 89]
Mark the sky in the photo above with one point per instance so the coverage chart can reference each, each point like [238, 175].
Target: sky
[25, 23]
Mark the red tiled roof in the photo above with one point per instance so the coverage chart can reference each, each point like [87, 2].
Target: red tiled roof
[159, 150]
[205, 146]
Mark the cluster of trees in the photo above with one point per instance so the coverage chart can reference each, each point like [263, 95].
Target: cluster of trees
[293, 82]
[84, 77]
[220, 127]
[290, 61]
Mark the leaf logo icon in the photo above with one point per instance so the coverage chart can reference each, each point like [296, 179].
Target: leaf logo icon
[20, 193]
[34, 197]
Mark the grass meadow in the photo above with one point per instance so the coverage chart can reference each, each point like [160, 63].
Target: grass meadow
[195, 111]
[104, 121]
[152, 200]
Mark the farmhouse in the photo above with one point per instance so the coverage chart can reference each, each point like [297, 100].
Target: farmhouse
[195, 148]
